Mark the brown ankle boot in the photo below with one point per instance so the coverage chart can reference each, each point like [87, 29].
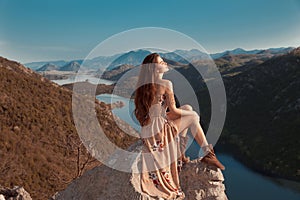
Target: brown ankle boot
[211, 159]
[185, 159]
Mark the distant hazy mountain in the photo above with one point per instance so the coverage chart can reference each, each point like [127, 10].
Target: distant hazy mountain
[100, 62]
[230, 61]
[276, 50]
[48, 67]
[116, 72]
[130, 58]
[71, 66]
[239, 51]
[185, 56]
[37, 65]
[136, 57]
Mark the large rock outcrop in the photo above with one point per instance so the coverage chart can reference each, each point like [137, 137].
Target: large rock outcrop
[198, 181]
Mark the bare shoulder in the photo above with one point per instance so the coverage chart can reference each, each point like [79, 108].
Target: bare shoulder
[167, 84]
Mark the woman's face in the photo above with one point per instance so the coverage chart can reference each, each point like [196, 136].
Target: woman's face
[162, 66]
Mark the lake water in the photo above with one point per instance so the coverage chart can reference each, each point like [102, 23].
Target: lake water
[241, 182]
[83, 77]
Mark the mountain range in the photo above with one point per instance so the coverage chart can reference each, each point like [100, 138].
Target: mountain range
[107, 63]
[70, 66]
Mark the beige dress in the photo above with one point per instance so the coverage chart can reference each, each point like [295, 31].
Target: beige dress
[160, 158]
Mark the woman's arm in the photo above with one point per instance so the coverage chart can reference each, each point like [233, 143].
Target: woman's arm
[171, 103]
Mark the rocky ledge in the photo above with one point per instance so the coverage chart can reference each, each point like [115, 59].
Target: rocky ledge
[198, 181]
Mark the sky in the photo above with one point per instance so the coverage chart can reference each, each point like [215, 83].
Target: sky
[43, 30]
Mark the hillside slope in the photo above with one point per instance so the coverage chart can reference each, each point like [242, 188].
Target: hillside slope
[263, 115]
[39, 146]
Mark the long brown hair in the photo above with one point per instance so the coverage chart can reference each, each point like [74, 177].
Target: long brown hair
[145, 93]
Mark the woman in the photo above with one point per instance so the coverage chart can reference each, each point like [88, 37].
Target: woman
[160, 131]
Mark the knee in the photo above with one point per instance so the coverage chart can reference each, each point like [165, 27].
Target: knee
[195, 116]
[187, 107]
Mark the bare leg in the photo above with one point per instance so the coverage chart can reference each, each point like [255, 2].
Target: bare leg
[192, 121]
[184, 138]
[185, 107]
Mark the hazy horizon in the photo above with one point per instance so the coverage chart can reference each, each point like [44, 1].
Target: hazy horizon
[67, 60]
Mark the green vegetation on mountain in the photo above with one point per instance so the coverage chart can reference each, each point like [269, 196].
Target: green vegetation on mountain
[263, 115]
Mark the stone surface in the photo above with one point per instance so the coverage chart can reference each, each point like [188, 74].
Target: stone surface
[16, 193]
[198, 181]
